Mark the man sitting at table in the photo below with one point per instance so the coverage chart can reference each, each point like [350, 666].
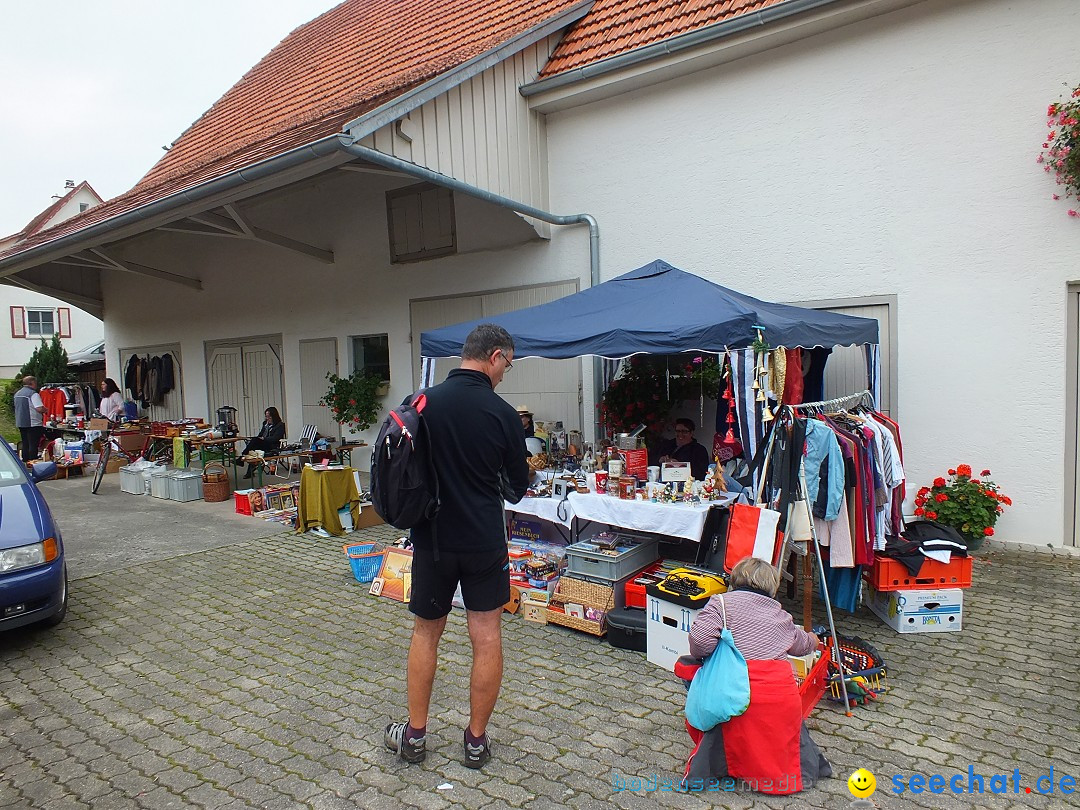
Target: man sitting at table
[684, 447]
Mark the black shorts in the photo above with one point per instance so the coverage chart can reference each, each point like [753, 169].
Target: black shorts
[484, 577]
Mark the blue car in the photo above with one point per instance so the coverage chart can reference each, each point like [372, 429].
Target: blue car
[33, 575]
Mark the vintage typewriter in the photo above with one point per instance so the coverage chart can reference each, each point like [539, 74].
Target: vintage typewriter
[689, 587]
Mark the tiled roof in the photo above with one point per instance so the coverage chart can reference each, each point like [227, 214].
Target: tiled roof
[614, 27]
[358, 55]
[35, 225]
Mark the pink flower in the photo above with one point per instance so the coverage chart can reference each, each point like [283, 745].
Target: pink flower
[1057, 196]
[1073, 213]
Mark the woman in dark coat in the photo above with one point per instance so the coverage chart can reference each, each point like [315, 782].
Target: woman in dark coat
[269, 438]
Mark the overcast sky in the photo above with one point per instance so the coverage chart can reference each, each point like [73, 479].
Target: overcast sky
[92, 89]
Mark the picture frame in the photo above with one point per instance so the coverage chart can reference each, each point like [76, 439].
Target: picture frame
[377, 586]
[287, 500]
[396, 573]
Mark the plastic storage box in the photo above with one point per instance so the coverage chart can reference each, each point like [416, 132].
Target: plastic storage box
[159, 483]
[633, 554]
[185, 486]
[131, 481]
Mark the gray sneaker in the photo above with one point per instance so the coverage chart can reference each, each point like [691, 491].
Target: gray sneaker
[477, 755]
[410, 749]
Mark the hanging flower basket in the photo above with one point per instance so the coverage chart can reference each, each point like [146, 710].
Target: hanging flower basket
[1061, 149]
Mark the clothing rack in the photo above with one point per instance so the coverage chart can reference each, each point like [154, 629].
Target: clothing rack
[862, 398]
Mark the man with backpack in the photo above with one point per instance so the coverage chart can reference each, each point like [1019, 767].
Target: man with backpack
[478, 447]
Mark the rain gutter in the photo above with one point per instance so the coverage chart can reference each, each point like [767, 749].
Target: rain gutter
[677, 44]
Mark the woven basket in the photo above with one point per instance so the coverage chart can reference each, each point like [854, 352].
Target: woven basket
[215, 483]
[586, 594]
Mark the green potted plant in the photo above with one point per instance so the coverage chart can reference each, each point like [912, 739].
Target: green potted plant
[353, 400]
[970, 505]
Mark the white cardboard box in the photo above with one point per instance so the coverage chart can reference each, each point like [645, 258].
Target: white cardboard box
[919, 611]
[667, 631]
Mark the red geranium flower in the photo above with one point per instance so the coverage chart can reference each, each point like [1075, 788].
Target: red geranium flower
[939, 482]
[984, 473]
[941, 497]
[919, 511]
[963, 469]
[931, 515]
[989, 532]
[952, 472]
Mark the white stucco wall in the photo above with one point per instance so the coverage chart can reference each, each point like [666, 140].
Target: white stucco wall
[894, 156]
[253, 289]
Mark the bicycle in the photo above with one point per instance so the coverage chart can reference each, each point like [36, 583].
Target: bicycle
[111, 444]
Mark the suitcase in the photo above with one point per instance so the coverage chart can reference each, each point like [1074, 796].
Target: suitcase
[626, 629]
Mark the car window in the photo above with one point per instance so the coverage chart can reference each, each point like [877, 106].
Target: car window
[11, 469]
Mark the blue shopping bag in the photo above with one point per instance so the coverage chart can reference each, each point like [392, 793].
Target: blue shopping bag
[721, 688]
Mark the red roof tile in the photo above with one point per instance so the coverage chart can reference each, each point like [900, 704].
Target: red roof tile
[358, 55]
[614, 27]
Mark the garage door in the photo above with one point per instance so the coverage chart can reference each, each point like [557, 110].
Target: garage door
[246, 376]
[551, 388]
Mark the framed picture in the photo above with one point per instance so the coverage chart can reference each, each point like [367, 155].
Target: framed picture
[396, 573]
[376, 586]
[273, 500]
[287, 500]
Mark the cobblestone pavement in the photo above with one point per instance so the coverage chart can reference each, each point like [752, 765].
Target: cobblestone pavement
[260, 674]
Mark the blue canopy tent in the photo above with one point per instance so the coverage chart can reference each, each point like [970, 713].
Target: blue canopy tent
[660, 309]
[656, 309]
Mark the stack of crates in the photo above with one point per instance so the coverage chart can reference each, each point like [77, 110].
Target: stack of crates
[613, 569]
[931, 601]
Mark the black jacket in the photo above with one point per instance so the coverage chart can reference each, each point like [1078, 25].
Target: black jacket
[477, 440]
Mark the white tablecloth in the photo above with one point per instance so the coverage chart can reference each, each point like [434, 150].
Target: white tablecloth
[543, 508]
[671, 519]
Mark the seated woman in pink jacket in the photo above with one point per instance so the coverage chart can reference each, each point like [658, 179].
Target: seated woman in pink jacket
[767, 746]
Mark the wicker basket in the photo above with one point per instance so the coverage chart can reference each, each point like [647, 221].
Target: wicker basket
[215, 483]
[586, 594]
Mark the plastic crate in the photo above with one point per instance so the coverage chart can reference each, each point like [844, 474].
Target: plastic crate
[243, 502]
[813, 687]
[887, 574]
[131, 482]
[159, 483]
[365, 562]
[185, 486]
[584, 558]
[634, 592]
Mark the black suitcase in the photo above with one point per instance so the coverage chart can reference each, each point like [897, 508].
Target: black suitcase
[626, 629]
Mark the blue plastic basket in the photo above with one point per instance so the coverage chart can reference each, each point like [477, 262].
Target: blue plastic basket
[365, 563]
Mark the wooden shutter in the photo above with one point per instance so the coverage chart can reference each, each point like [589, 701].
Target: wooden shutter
[63, 321]
[18, 322]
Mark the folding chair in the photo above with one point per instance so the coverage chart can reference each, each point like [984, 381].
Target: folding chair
[282, 464]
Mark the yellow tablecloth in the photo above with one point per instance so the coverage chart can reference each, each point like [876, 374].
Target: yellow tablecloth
[322, 493]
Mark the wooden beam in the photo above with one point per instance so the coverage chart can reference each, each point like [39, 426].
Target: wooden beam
[143, 270]
[178, 227]
[63, 295]
[363, 168]
[218, 222]
[270, 238]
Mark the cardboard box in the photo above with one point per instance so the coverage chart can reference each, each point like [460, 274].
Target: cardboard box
[919, 611]
[132, 442]
[667, 631]
[368, 517]
[97, 424]
[115, 463]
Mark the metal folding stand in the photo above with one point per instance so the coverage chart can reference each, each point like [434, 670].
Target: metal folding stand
[790, 545]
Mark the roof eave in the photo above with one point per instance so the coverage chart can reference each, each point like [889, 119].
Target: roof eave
[160, 211]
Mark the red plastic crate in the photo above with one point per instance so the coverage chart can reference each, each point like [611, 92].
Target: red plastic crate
[888, 574]
[813, 686]
[243, 503]
[635, 594]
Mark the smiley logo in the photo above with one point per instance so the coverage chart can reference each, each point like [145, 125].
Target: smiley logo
[862, 784]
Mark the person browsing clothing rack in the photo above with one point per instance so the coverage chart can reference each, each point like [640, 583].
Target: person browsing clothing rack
[112, 401]
[268, 440]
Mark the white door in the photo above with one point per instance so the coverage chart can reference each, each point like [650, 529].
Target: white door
[317, 359]
[845, 371]
[247, 377]
[550, 388]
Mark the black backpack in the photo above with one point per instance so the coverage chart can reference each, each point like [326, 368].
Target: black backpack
[404, 485]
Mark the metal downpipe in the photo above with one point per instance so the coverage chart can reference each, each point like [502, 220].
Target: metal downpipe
[348, 144]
